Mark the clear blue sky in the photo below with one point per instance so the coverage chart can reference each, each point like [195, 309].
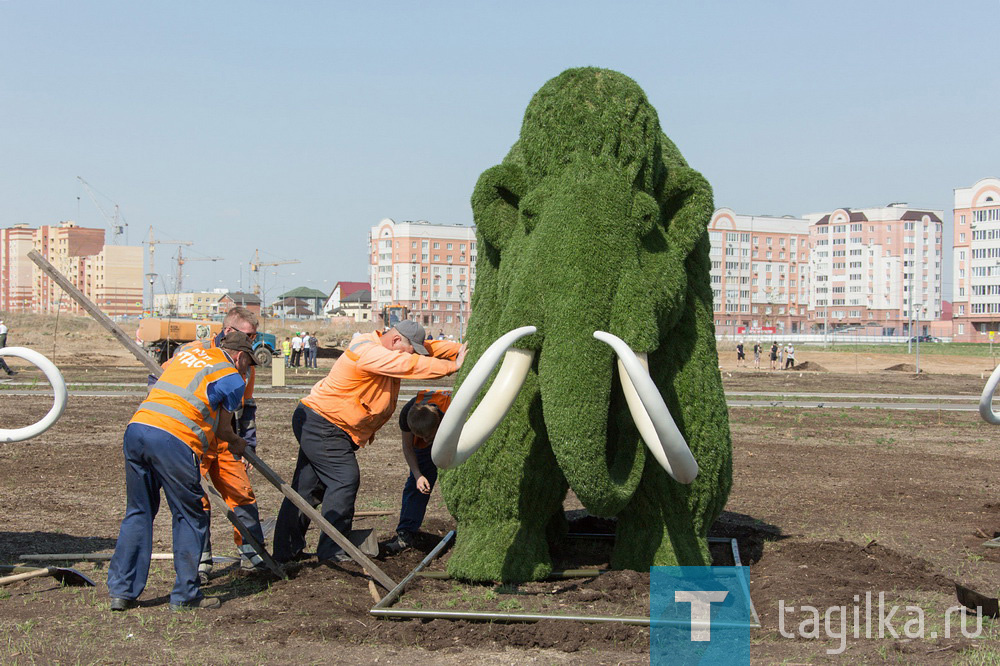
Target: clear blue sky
[294, 127]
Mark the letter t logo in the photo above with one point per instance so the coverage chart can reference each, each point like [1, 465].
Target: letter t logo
[701, 610]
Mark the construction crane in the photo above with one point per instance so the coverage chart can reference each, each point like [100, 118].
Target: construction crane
[116, 221]
[255, 266]
[152, 270]
[181, 260]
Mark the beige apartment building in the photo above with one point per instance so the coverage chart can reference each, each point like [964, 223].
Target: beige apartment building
[428, 268]
[15, 268]
[110, 275]
[758, 273]
[976, 297]
[877, 270]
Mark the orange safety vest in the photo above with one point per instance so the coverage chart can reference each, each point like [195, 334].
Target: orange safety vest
[210, 344]
[178, 402]
[440, 399]
[360, 392]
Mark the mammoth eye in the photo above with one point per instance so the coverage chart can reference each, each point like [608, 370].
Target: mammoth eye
[528, 215]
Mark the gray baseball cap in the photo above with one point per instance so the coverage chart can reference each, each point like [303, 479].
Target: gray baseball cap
[415, 333]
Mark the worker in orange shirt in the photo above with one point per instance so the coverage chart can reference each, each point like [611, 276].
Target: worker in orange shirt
[418, 420]
[191, 403]
[228, 471]
[342, 413]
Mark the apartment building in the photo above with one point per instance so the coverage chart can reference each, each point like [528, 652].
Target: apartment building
[110, 275]
[976, 297]
[428, 268]
[190, 304]
[16, 268]
[875, 268]
[758, 273]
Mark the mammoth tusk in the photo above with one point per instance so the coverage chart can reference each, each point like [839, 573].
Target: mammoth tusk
[986, 400]
[460, 435]
[58, 387]
[650, 413]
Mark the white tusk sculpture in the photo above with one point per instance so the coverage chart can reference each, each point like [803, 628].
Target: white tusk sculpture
[650, 413]
[986, 400]
[460, 435]
[58, 387]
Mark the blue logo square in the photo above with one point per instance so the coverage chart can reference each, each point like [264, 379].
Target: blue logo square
[700, 615]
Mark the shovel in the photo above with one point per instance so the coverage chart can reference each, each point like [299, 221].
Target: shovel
[64, 576]
[980, 603]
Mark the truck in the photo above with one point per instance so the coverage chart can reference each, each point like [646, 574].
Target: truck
[393, 314]
[162, 337]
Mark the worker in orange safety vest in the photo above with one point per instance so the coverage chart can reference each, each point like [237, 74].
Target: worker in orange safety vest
[418, 420]
[227, 471]
[191, 405]
[341, 414]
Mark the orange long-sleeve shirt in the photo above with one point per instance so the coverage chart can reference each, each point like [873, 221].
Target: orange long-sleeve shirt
[360, 392]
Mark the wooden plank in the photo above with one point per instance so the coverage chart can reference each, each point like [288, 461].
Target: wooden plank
[95, 312]
[220, 503]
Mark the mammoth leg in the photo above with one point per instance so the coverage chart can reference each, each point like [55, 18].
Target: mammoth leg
[502, 504]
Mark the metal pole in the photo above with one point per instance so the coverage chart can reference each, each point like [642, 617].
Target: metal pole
[394, 593]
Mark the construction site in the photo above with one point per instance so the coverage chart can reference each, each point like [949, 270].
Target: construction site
[854, 474]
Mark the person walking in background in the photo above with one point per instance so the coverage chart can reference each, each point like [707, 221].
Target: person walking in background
[296, 350]
[774, 355]
[286, 351]
[741, 356]
[3, 343]
[789, 356]
[756, 354]
[313, 349]
[305, 349]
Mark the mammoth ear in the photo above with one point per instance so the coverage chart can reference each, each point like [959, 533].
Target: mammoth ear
[496, 200]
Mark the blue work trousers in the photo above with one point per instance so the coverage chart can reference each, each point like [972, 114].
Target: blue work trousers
[155, 459]
[326, 473]
[414, 505]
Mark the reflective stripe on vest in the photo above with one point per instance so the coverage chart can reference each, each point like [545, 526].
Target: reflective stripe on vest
[354, 355]
[178, 402]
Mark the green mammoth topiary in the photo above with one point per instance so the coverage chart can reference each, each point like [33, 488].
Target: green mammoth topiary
[593, 222]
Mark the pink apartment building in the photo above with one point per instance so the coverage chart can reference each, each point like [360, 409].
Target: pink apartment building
[875, 269]
[827, 271]
[429, 268]
[976, 297]
[758, 273]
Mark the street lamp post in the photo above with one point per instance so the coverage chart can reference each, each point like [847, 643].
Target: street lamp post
[152, 278]
[917, 305]
[461, 312]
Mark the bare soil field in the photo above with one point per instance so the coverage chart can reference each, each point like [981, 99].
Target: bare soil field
[826, 504]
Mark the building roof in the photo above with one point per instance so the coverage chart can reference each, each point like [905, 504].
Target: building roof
[853, 216]
[348, 288]
[303, 292]
[243, 298]
[919, 214]
[358, 296]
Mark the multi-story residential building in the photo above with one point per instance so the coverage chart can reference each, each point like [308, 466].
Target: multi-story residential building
[191, 304]
[109, 275]
[16, 268]
[428, 268]
[976, 296]
[758, 273]
[875, 268]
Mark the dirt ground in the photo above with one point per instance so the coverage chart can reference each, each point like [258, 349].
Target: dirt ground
[826, 504]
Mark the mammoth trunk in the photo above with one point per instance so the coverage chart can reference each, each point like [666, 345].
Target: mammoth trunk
[597, 449]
